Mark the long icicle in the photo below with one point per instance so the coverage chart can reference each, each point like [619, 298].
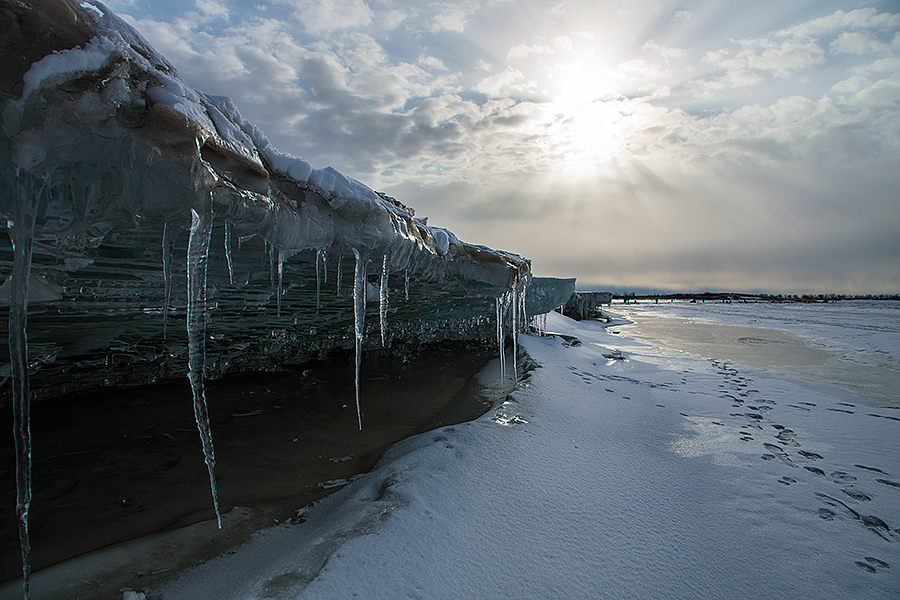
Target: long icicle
[280, 289]
[383, 299]
[168, 248]
[514, 321]
[318, 279]
[340, 271]
[21, 238]
[359, 318]
[499, 302]
[229, 234]
[197, 258]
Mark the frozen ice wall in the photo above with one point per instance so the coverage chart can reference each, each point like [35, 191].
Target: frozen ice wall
[545, 294]
[113, 152]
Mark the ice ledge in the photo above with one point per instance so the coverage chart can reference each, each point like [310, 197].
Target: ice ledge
[112, 152]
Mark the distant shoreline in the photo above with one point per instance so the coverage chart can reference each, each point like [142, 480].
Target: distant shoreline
[742, 297]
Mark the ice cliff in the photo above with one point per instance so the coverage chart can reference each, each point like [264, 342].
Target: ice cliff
[113, 168]
[152, 232]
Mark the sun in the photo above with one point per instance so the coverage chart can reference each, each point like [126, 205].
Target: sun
[587, 122]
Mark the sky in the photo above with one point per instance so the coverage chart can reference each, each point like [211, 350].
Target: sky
[670, 145]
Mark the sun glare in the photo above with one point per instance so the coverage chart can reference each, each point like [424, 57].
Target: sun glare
[587, 120]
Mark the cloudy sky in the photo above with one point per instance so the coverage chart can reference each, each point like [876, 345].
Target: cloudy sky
[688, 145]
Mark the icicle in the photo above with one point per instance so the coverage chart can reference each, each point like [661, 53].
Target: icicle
[229, 234]
[406, 284]
[359, 317]
[340, 272]
[523, 314]
[324, 254]
[383, 299]
[197, 256]
[270, 250]
[318, 279]
[499, 332]
[168, 247]
[21, 238]
[280, 281]
[514, 322]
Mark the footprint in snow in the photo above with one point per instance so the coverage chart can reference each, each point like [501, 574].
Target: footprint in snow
[870, 469]
[857, 495]
[841, 410]
[884, 417]
[888, 482]
[865, 566]
[827, 514]
[841, 477]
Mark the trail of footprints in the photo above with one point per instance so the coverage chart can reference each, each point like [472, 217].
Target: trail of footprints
[782, 445]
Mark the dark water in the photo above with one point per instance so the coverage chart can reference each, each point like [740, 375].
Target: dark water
[123, 464]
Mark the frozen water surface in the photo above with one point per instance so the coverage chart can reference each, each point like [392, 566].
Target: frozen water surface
[651, 474]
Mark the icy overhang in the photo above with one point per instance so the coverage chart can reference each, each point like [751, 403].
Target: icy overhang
[111, 152]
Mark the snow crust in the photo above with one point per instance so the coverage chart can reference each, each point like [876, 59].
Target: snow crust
[619, 470]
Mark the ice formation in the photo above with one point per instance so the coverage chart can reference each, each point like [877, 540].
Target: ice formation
[359, 319]
[197, 256]
[116, 177]
[127, 150]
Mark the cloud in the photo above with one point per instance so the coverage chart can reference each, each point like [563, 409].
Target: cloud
[682, 16]
[704, 159]
[212, 9]
[525, 50]
[322, 16]
[854, 42]
[840, 21]
[431, 62]
[453, 16]
[510, 80]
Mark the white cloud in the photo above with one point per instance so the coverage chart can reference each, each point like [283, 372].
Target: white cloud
[785, 59]
[321, 16]
[431, 62]
[854, 42]
[510, 80]
[453, 16]
[525, 50]
[840, 21]
[212, 8]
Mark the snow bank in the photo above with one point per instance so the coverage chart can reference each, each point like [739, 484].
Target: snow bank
[619, 470]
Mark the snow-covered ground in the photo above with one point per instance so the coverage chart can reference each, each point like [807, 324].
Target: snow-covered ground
[619, 470]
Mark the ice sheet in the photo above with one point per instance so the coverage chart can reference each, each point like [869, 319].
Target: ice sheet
[619, 470]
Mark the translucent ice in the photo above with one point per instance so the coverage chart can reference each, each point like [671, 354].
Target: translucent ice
[197, 257]
[383, 298]
[359, 318]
